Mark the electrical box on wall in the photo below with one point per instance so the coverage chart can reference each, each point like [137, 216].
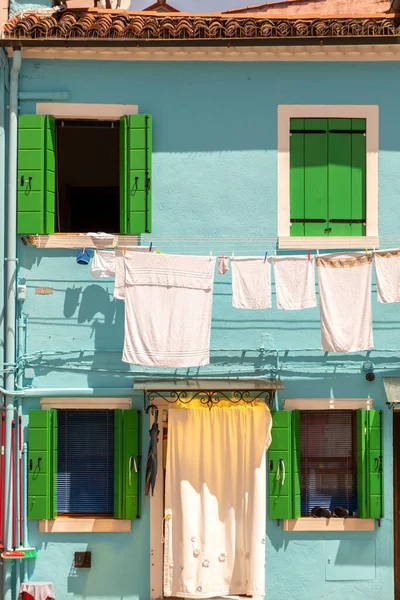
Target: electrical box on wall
[83, 560]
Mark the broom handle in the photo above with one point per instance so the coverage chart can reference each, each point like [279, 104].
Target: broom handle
[13, 494]
[3, 420]
[20, 478]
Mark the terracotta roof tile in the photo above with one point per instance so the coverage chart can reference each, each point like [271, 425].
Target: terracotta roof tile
[94, 25]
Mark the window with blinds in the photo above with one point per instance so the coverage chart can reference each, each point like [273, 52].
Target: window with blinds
[328, 463]
[85, 481]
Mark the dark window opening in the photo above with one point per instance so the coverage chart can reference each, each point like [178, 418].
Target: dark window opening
[87, 176]
[328, 463]
[85, 480]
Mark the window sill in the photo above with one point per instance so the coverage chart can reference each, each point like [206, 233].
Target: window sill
[76, 240]
[83, 525]
[328, 243]
[311, 524]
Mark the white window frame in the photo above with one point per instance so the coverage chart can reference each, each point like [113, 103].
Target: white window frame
[82, 524]
[319, 111]
[320, 524]
[157, 519]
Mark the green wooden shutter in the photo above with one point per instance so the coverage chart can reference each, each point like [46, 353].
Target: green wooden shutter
[347, 176]
[135, 173]
[370, 463]
[284, 465]
[36, 174]
[308, 176]
[42, 464]
[327, 177]
[128, 450]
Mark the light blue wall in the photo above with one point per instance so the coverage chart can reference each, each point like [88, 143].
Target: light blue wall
[214, 174]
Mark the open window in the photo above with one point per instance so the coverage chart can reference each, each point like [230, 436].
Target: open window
[84, 462]
[82, 175]
[327, 459]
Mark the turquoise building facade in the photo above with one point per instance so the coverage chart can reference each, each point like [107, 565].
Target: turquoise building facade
[214, 189]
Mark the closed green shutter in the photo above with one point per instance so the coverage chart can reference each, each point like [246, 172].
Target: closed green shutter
[135, 173]
[128, 450]
[370, 463]
[36, 174]
[327, 177]
[346, 176]
[42, 464]
[308, 176]
[284, 467]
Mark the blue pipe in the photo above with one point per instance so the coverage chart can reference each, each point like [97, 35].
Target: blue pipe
[11, 277]
[43, 96]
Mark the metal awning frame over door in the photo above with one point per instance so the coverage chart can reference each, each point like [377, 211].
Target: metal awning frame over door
[208, 391]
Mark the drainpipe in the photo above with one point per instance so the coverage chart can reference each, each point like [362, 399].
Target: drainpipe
[11, 278]
[2, 209]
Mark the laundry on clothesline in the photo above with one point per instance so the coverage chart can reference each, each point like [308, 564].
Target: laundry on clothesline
[223, 265]
[294, 282]
[344, 282]
[387, 271]
[251, 282]
[168, 305]
[119, 286]
[103, 264]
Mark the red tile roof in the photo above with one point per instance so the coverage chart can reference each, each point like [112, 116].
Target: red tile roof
[183, 28]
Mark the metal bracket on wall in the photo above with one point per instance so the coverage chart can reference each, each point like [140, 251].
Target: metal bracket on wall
[210, 397]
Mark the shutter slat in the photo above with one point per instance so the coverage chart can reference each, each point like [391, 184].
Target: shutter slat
[328, 460]
[86, 462]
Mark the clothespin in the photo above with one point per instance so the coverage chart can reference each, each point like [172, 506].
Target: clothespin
[318, 252]
[265, 257]
[158, 251]
[309, 255]
[96, 249]
[366, 250]
[84, 250]
[124, 250]
[211, 253]
[151, 245]
[275, 252]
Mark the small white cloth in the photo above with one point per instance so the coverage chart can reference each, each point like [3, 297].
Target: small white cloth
[294, 282]
[251, 282]
[345, 301]
[37, 590]
[103, 264]
[168, 305]
[119, 286]
[387, 271]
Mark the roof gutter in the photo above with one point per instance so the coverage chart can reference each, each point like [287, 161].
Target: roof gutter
[18, 44]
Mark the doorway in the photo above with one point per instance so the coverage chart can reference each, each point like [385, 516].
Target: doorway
[87, 176]
[396, 494]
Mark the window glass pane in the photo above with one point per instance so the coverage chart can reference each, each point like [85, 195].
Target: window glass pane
[327, 460]
[85, 482]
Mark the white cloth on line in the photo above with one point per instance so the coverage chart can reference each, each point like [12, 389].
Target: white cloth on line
[215, 494]
[387, 271]
[100, 235]
[103, 264]
[168, 306]
[294, 282]
[119, 286]
[345, 301]
[251, 282]
[223, 265]
[38, 590]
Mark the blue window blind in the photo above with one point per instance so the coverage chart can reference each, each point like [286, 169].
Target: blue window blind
[85, 482]
[328, 467]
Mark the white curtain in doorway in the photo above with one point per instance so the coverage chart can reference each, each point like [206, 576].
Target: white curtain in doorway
[215, 501]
